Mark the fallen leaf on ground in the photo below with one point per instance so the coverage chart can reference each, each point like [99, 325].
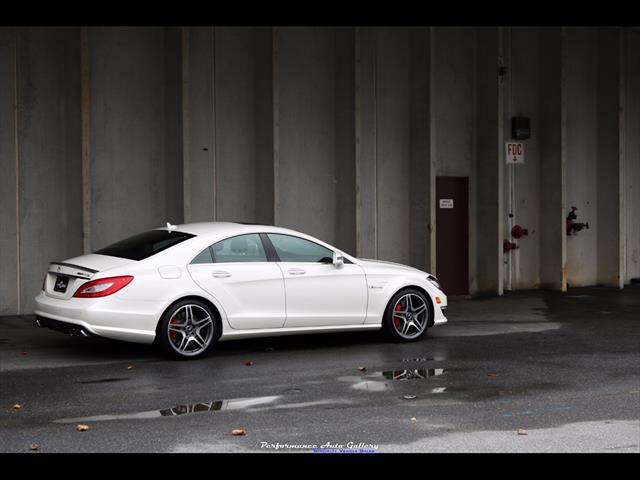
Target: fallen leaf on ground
[81, 427]
[238, 432]
[362, 369]
[34, 447]
[17, 406]
[414, 419]
[521, 431]
[248, 363]
[492, 375]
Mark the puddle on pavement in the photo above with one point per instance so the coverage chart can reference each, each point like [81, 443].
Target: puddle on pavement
[413, 374]
[186, 409]
[379, 381]
[103, 380]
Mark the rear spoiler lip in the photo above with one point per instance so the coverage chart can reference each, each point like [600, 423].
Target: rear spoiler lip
[77, 267]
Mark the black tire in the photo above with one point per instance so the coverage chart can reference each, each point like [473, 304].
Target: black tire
[390, 329]
[169, 340]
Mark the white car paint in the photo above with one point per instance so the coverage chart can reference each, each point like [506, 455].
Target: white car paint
[253, 299]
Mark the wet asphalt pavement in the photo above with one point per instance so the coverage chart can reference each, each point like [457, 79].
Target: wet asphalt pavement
[565, 368]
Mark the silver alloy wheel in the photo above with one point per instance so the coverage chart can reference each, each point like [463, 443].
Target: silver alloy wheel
[190, 330]
[410, 315]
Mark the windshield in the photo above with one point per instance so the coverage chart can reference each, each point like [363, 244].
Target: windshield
[145, 244]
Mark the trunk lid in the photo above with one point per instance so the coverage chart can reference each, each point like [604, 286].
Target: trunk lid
[64, 278]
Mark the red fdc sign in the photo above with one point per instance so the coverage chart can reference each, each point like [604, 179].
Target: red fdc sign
[514, 152]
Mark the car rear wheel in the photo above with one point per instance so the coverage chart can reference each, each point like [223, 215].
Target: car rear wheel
[407, 316]
[187, 330]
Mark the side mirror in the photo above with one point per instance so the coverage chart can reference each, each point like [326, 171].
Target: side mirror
[338, 260]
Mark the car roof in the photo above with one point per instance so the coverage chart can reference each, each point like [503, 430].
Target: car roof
[226, 228]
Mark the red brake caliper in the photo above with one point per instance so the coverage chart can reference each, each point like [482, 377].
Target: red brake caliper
[173, 334]
[396, 320]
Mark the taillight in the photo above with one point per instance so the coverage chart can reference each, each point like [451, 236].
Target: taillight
[102, 287]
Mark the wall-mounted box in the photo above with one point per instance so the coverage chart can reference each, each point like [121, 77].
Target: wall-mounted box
[520, 128]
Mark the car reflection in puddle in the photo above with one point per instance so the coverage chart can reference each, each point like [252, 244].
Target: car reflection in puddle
[217, 405]
[379, 381]
[413, 374]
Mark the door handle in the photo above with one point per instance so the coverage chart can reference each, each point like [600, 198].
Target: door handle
[220, 274]
[296, 271]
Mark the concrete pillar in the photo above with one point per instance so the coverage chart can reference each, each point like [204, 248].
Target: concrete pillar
[128, 132]
[631, 142]
[9, 168]
[49, 156]
[581, 152]
[263, 108]
[242, 122]
[421, 167]
[393, 145]
[310, 110]
[345, 207]
[489, 165]
[610, 163]
[552, 161]
[526, 102]
[199, 124]
[173, 148]
[366, 146]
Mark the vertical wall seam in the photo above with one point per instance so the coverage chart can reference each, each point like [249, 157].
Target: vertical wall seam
[358, 127]
[375, 144]
[622, 162]
[214, 147]
[276, 122]
[85, 132]
[17, 170]
[432, 154]
[472, 201]
[186, 126]
[500, 167]
[563, 153]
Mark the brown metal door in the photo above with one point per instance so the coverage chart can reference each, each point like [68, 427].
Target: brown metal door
[452, 234]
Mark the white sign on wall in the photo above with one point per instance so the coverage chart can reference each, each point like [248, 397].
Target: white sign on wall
[514, 152]
[446, 203]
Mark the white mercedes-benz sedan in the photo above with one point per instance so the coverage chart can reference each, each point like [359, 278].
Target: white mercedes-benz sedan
[185, 287]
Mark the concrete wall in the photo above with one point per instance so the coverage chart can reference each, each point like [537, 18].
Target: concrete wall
[553, 252]
[393, 144]
[489, 166]
[128, 133]
[581, 150]
[610, 192]
[526, 101]
[48, 123]
[243, 127]
[315, 152]
[9, 263]
[339, 132]
[631, 111]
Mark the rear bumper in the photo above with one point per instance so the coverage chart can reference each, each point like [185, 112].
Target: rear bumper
[111, 317]
[71, 329]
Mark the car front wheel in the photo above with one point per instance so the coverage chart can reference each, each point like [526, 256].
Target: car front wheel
[407, 316]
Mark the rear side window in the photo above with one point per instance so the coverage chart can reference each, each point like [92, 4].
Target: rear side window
[145, 244]
[243, 248]
[203, 257]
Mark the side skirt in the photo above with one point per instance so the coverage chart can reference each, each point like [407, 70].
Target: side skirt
[273, 332]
